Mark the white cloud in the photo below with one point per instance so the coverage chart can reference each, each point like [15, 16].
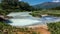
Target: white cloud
[20, 0]
[56, 0]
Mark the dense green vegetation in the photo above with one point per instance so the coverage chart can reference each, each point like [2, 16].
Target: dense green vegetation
[15, 5]
[54, 28]
[55, 13]
[19, 6]
[56, 8]
[7, 6]
[10, 29]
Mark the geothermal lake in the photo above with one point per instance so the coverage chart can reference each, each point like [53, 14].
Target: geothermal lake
[24, 19]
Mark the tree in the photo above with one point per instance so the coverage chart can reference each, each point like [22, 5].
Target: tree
[24, 6]
[9, 4]
[15, 4]
[56, 8]
[34, 32]
[54, 28]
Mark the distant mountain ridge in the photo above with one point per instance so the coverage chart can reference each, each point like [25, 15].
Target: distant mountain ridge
[47, 5]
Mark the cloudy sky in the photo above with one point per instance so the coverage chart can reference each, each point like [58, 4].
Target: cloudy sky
[34, 2]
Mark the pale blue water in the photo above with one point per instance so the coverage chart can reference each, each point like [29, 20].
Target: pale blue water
[23, 19]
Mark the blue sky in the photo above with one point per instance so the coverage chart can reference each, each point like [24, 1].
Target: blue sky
[34, 2]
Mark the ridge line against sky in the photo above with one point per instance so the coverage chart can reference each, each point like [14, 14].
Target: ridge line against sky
[34, 2]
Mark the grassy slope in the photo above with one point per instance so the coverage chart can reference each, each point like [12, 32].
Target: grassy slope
[54, 28]
[49, 12]
[13, 30]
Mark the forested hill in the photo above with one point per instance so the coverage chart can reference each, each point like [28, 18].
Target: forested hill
[8, 6]
[47, 5]
[15, 4]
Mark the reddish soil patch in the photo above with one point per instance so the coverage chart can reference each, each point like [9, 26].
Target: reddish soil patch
[43, 30]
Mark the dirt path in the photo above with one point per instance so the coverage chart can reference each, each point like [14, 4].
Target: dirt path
[43, 30]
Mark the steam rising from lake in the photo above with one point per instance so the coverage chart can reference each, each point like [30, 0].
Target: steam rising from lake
[24, 19]
[23, 22]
